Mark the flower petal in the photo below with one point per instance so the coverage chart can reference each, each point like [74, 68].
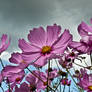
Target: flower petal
[26, 47]
[63, 41]
[84, 27]
[31, 57]
[52, 34]
[4, 43]
[16, 58]
[81, 47]
[10, 69]
[81, 29]
[40, 62]
[37, 37]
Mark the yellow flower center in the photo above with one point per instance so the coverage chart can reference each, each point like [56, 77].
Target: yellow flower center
[23, 61]
[45, 83]
[18, 79]
[90, 88]
[46, 49]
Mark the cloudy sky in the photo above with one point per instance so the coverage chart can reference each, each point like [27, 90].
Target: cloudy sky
[17, 17]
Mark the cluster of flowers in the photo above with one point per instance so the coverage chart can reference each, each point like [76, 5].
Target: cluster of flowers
[42, 47]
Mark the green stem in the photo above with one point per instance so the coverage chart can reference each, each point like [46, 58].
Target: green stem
[91, 58]
[8, 84]
[48, 76]
[57, 64]
[64, 88]
[85, 63]
[34, 74]
[58, 86]
[69, 88]
[79, 65]
[38, 77]
[2, 88]
[73, 80]
[1, 63]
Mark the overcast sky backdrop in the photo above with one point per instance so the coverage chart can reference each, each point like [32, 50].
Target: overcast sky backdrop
[17, 17]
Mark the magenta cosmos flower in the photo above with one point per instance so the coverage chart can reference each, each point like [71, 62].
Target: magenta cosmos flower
[65, 81]
[42, 44]
[86, 82]
[38, 82]
[84, 46]
[17, 59]
[15, 78]
[4, 43]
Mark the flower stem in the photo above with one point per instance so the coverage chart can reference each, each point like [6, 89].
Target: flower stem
[79, 65]
[73, 80]
[64, 88]
[48, 76]
[1, 63]
[91, 58]
[2, 88]
[37, 77]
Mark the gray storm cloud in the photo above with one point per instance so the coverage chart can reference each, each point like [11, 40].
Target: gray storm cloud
[18, 16]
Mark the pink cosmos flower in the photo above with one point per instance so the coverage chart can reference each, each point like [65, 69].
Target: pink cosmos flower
[15, 78]
[13, 75]
[86, 82]
[65, 81]
[4, 43]
[16, 58]
[42, 44]
[80, 74]
[66, 61]
[38, 82]
[71, 54]
[52, 73]
[84, 46]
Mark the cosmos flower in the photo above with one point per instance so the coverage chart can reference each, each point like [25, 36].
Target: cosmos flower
[42, 44]
[52, 73]
[86, 82]
[65, 81]
[15, 78]
[37, 83]
[79, 74]
[65, 61]
[16, 58]
[4, 43]
[84, 46]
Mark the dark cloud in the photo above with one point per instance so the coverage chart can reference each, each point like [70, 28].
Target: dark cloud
[22, 11]
[18, 16]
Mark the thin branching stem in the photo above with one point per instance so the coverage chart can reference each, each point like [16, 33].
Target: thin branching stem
[2, 88]
[2, 63]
